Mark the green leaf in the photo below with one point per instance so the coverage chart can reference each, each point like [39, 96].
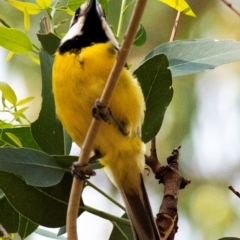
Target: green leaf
[21, 6]
[26, 19]
[37, 168]
[156, 83]
[9, 216]
[26, 227]
[43, 206]
[47, 129]
[14, 40]
[14, 138]
[8, 93]
[45, 4]
[74, 4]
[192, 56]
[22, 133]
[121, 231]
[180, 5]
[50, 42]
[141, 37]
[24, 101]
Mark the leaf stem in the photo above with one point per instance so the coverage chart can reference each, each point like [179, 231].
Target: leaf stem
[120, 22]
[105, 195]
[105, 215]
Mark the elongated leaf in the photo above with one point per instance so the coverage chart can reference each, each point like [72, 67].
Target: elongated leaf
[14, 40]
[26, 227]
[14, 138]
[192, 56]
[180, 5]
[43, 206]
[22, 133]
[30, 7]
[8, 93]
[156, 82]
[37, 168]
[26, 20]
[24, 101]
[47, 129]
[45, 4]
[9, 56]
[35, 60]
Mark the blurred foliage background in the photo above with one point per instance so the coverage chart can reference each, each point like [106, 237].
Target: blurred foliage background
[203, 117]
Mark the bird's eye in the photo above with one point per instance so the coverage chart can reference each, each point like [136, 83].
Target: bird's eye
[76, 16]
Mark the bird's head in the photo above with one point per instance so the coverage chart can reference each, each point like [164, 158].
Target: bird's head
[87, 27]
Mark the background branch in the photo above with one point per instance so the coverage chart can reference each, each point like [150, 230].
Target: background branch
[231, 7]
[77, 185]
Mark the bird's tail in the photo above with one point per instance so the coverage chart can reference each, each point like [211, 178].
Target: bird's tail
[140, 214]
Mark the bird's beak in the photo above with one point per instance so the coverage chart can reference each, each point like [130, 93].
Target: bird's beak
[92, 7]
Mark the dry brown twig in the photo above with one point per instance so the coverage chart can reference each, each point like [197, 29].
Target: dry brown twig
[231, 7]
[234, 191]
[170, 177]
[77, 184]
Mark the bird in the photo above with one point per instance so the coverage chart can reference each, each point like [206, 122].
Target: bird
[82, 64]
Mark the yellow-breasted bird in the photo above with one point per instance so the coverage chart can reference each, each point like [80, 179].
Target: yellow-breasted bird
[82, 64]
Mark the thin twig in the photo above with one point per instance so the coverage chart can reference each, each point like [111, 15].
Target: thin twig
[234, 191]
[175, 27]
[77, 185]
[4, 232]
[231, 7]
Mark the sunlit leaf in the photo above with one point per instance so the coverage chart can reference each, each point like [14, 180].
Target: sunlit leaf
[26, 19]
[44, 3]
[24, 101]
[180, 5]
[14, 138]
[23, 134]
[14, 40]
[9, 56]
[31, 7]
[8, 93]
[35, 60]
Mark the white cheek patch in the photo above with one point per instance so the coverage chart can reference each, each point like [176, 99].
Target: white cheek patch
[109, 33]
[75, 30]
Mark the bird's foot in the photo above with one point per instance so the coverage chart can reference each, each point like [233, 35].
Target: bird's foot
[77, 171]
[100, 111]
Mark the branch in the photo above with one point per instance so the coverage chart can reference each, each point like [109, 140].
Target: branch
[77, 184]
[231, 7]
[172, 180]
[175, 27]
[4, 232]
[234, 191]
